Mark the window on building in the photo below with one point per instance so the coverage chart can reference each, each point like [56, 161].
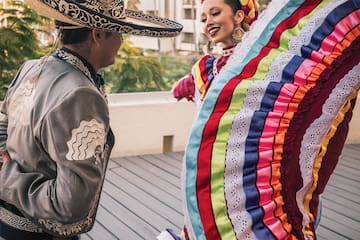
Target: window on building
[187, 37]
[187, 13]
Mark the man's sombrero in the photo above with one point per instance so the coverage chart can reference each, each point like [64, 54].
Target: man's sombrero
[106, 15]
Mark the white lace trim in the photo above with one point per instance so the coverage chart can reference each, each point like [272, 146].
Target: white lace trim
[235, 153]
[311, 143]
[311, 26]
[277, 66]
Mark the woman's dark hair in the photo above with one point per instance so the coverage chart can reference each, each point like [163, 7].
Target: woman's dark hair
[234, 4]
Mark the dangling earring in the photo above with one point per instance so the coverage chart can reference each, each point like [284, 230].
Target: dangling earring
[237, 34]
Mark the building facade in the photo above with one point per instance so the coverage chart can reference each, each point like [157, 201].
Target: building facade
[186, 12]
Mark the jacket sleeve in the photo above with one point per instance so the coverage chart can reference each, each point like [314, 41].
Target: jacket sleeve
[4, 116]
[73, 135]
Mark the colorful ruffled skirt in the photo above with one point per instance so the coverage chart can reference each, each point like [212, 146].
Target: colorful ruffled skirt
[273, 124]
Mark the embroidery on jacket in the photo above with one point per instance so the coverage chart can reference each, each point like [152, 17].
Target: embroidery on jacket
[75, 61]
[86, 140]
[78, 64]
[17, 222]
[22, 103]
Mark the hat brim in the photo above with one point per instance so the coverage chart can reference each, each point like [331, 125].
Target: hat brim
[129, 22]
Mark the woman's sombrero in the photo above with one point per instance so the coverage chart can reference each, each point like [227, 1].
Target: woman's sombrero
[273, 124]
[106, 15]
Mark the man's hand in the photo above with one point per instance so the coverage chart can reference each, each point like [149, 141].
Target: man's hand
[5, 158]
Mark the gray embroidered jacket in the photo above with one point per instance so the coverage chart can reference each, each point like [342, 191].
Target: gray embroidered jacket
[54, 123]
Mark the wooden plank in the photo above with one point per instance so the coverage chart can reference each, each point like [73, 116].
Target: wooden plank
[112, 165]
[324, 233]
[171, 159]
[351, 173]
[134, 164]
[127, 217]
[338, 199]
[345, 185]
[342, 209]
[85, 237]
[161, 165]
[173, 167]
[132, 170]
[344, 195]
[350, 160]
[346, 181]
[176, 155]
[142, 204]
[353, 149]
[99, 232]
[351, 163]
[151, 189]
[116, 227]
[340, 224]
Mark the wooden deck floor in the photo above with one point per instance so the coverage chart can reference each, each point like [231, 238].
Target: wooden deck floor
[141, 197]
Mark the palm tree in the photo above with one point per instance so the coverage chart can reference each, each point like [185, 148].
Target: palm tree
[18, 42]
[134, 72]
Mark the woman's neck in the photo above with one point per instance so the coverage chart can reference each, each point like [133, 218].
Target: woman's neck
[228, 51]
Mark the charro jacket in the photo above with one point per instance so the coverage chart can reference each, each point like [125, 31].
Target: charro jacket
[54, 123]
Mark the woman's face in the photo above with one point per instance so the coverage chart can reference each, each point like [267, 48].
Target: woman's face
[219, 21]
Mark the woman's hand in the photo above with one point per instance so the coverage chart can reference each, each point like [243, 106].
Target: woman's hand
[5, 158]
[184, 88]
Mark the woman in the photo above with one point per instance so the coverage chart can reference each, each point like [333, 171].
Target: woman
[55, 134]
[224, 22]
[272, 127]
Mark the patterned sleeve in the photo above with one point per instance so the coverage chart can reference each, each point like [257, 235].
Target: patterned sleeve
[184, 88]
[73, 135]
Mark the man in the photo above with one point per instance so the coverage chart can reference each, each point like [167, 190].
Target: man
[55, 138]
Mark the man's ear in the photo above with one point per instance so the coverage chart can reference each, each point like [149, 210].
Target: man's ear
[239, 17]
[96, 36]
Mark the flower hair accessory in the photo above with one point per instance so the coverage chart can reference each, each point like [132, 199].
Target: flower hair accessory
[251, 10]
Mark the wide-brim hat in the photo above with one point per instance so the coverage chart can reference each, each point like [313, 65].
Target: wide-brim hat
[106, 15]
